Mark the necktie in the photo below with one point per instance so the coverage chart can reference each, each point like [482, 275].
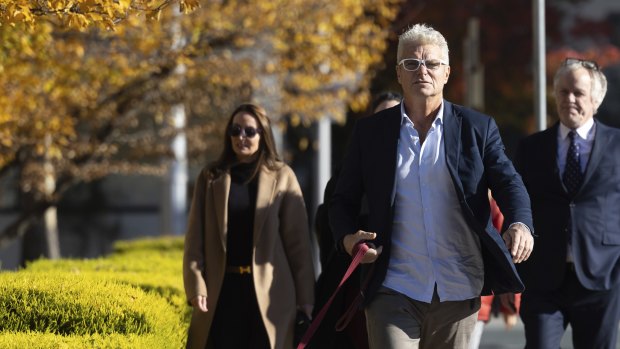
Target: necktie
[572, 176]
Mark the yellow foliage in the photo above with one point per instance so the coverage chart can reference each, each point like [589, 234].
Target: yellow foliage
[101, 95]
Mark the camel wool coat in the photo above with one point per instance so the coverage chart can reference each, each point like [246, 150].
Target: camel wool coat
[282, 268]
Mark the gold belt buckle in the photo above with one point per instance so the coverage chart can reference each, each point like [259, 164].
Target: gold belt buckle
[239, 269]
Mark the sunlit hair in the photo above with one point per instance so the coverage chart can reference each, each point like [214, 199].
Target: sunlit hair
[599, 82]
[422, 34]
[267, 152]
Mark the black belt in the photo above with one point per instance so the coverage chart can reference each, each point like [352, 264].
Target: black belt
[239, 269]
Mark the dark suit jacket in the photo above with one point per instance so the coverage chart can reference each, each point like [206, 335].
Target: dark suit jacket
[595, 212]
[476, 161]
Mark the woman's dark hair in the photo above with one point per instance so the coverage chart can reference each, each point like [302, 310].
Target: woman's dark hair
[267, 152]
[383, 97]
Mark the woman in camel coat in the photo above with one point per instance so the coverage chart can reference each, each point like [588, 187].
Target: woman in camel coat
[247, 265]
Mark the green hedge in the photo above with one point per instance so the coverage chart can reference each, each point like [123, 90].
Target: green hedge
[131, 299]
[162, 245]
[151, 271]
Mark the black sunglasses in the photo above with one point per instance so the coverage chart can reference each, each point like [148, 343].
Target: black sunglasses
[585, 63]
[236, 130]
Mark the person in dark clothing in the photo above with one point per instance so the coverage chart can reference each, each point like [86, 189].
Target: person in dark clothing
[334, 265]
[247, 265]
[572, 172]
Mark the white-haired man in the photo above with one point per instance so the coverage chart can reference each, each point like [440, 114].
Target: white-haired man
[425, 166]
[572, 173]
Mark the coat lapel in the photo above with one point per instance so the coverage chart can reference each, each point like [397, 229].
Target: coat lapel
[549, 154]
[266, 189]
[392, 141]
[598, 148]
[452, 142]
[221, 189]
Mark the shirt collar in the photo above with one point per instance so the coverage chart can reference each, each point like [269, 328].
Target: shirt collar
[403, 114]
[582, 131]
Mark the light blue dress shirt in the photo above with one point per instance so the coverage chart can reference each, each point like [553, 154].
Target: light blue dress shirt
[585, 140]
[431, 241]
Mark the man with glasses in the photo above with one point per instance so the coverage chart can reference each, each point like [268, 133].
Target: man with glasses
[572, 173]
[425, 166]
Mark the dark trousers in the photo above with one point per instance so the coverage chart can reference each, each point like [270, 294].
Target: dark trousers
[593, 315]
[237, 322]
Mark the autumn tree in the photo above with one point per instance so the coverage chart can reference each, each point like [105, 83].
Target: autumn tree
[87, 85]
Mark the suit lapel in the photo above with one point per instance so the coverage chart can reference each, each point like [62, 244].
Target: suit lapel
[549, 153]
[221, 189]
[452, 142]
[266, 188]
[391, 141]
[598, 148]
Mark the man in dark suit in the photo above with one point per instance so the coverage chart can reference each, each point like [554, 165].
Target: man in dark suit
[572, 173]
[425, 166]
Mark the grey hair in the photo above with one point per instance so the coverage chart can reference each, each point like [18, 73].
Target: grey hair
[423, 34]
[599, 82]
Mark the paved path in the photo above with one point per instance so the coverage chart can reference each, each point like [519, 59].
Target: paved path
[495, 336]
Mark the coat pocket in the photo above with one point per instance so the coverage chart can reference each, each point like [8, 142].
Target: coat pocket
[610, 238]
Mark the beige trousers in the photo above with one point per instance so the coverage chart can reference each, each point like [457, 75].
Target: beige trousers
[395, 321]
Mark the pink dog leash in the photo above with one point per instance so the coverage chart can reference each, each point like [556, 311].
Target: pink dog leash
[359, 251]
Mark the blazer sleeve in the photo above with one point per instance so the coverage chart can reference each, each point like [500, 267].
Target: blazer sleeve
[193, 255]
[505, 183]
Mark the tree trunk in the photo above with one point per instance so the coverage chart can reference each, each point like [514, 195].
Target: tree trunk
[50, 226]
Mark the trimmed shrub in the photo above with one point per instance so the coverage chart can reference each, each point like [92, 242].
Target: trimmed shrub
[162, 244]
[154, 265]
[133, 298]
[59, 309]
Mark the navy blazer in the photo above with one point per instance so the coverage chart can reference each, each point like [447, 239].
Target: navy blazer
[594, 212]
[476, 161]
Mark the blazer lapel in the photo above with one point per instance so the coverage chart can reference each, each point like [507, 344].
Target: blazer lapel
[221, 189]
[452, 142]
[392, 142]
[598, 148]
[266, 189]
[549, 154]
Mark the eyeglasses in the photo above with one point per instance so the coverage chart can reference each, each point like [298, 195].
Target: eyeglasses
[413, 64]
[585, 63]
[236, 130]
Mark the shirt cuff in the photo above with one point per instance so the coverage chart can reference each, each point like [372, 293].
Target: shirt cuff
[522, 224]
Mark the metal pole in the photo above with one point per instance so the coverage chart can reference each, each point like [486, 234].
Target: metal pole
[540, 78]
[324, 154]
[322, 173]
[473, 69]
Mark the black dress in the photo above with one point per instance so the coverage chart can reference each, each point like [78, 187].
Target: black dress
[237, 322]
